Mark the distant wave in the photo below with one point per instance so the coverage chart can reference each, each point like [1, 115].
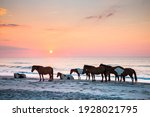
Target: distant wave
[12, 66]
[21, 63]
[142, 78]
[143, 65]
[3, 65]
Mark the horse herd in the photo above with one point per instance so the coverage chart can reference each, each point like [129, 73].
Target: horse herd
[89, 70]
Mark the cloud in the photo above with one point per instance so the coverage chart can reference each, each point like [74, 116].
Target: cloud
[111, 11]
[110, 14]
[12, 51]
[91, 17]
[11, 48]
[2, 11]
[9, 25]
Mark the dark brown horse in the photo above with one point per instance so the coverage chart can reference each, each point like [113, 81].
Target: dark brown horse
[43, 71]
[112, 70]
[94, 71]
[86, 70]
[78, 71]
[130, 72]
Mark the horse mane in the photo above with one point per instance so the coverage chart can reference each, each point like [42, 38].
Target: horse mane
[36, 66]
[105, 65]
[88, 66]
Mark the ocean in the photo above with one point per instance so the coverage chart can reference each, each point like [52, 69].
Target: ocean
[9, 66]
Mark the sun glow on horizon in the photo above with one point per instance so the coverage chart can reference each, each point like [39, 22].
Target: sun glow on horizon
[51, 51]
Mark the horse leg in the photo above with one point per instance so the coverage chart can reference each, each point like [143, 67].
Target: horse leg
[116, 77]
[124, 79]
[79, 76]
[86, 76]
[109, 77]
[89, 75]
[102, 78]
[93, 77]
[40, 77]
[43, 77]
[105, 77]
[132, 78]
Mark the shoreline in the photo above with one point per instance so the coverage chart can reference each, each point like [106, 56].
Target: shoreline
[31, 89]
[55, 78]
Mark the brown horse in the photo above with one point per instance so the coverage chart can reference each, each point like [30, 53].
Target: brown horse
[86, 71]
[130, 72]
[43, 71]
[78, 71]
[112, 70]
[95, 71]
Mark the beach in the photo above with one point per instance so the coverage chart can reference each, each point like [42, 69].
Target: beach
[32, 89]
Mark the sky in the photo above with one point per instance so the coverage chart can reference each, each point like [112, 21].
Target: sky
[45, 28]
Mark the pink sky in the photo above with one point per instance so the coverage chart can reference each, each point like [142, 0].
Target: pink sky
[74, 28]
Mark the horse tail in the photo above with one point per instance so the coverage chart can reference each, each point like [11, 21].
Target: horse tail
[135, 76]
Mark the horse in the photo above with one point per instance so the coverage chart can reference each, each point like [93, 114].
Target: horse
[130, 72]
[117, 70]
[78, 71]
[43, 71]
[85, 70]
[65, 76]
[19, 75]
[97, 70]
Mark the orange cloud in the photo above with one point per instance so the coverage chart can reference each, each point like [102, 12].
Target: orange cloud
[3, 11]
[9, 25]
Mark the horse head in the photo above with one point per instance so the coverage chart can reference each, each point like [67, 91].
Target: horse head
[102, 64]
[59, 75]
[71, 71]
[33, 68]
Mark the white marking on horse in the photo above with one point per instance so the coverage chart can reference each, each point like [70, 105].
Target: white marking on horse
[79, 70]
[119, 70]
[67, 77]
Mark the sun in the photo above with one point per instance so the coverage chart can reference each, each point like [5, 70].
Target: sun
[51, 51]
